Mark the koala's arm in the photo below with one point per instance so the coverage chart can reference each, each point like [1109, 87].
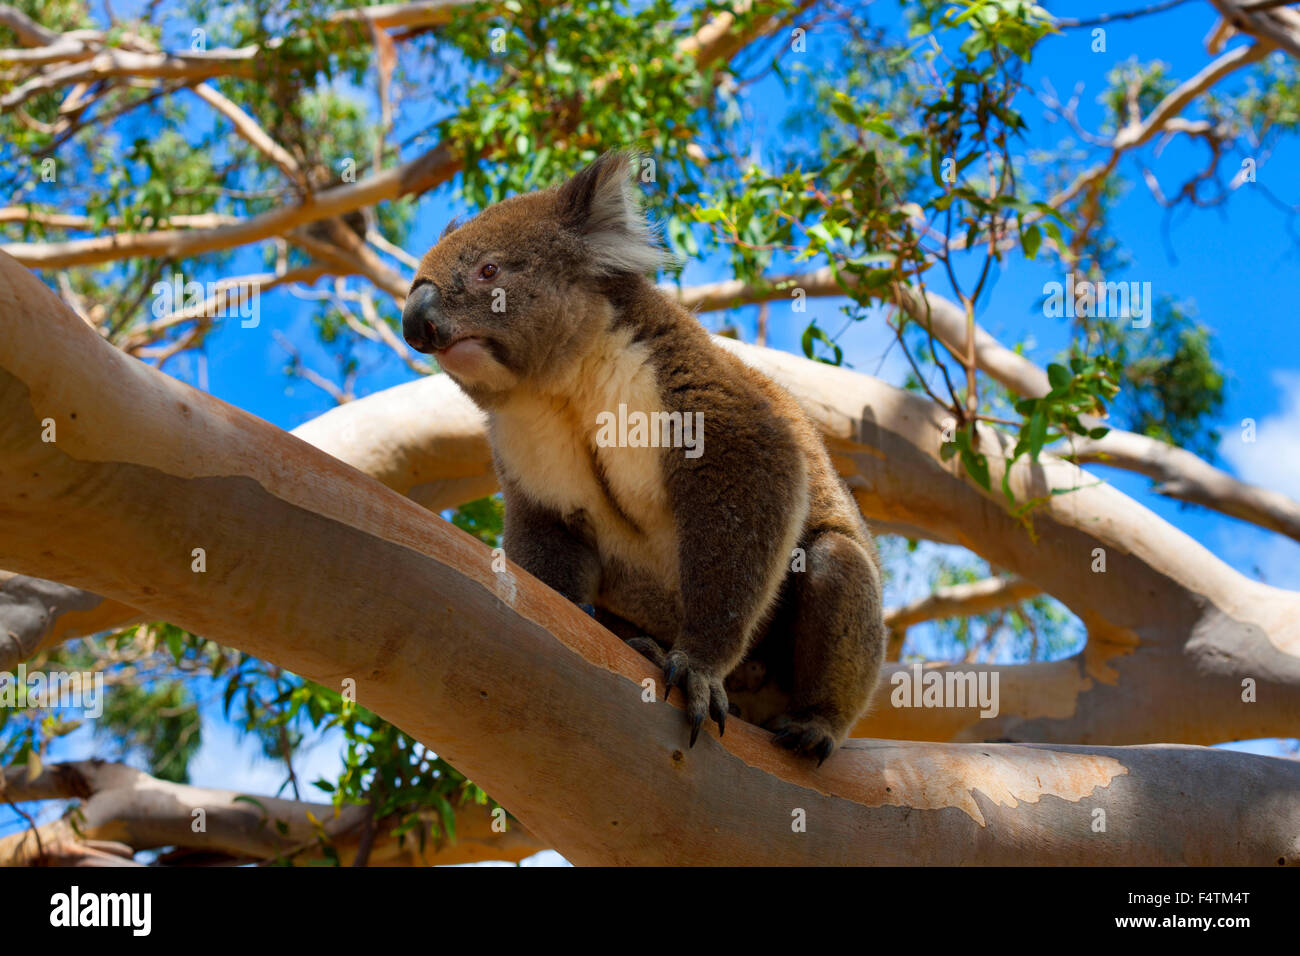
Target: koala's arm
[737, 509]
[553, 550]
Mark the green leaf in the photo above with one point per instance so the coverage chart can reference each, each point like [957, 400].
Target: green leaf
[842, 107]
[175, 638]
[1030, 240]
[1036, 434]
[813, 334]
[880, 128]
[977, 466]
[1007, 493]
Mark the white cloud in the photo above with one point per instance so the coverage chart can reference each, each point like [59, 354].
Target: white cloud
[1272, 460]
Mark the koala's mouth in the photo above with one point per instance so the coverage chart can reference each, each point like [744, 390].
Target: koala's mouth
[466, 340]
[467, 355]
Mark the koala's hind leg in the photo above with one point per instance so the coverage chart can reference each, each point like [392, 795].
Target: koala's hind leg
[838, 645]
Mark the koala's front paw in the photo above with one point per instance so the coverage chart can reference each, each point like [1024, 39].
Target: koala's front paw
[648, 647]
[812, 736]
[703, 689]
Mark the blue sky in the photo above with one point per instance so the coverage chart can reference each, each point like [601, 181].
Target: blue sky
[1231, 262]
[1238, 264]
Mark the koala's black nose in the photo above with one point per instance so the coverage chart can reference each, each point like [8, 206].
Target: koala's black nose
[423, 324]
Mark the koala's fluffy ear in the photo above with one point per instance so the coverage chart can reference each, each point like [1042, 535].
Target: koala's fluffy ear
[602, 205]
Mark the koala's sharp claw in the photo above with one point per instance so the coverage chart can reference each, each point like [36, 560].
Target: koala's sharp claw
[671, 673]
[703, 693]
[718, 711]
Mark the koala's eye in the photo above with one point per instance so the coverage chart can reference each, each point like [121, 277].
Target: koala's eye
[489, 271]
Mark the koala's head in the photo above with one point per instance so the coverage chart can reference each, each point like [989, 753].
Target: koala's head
[514, 294]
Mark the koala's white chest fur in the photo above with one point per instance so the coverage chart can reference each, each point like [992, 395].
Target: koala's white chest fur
[548, 443]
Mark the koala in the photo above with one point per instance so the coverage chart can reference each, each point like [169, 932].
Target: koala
[729, 552]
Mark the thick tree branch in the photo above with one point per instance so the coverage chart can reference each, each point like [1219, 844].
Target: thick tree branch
[440, 462]
[334, 576]
[419, 175]
[1164, 618]
[331, 575]
[129, 808]
[30, 33]
[36, 614]
[426, 439]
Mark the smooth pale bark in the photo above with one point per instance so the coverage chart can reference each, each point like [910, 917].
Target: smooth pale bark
[434, 448]
[320, 569]
[439, 468]
[1177, 472]
[36, 614]
[127, 807]
[1178, 99]
[962, 600]
[1173, 632]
